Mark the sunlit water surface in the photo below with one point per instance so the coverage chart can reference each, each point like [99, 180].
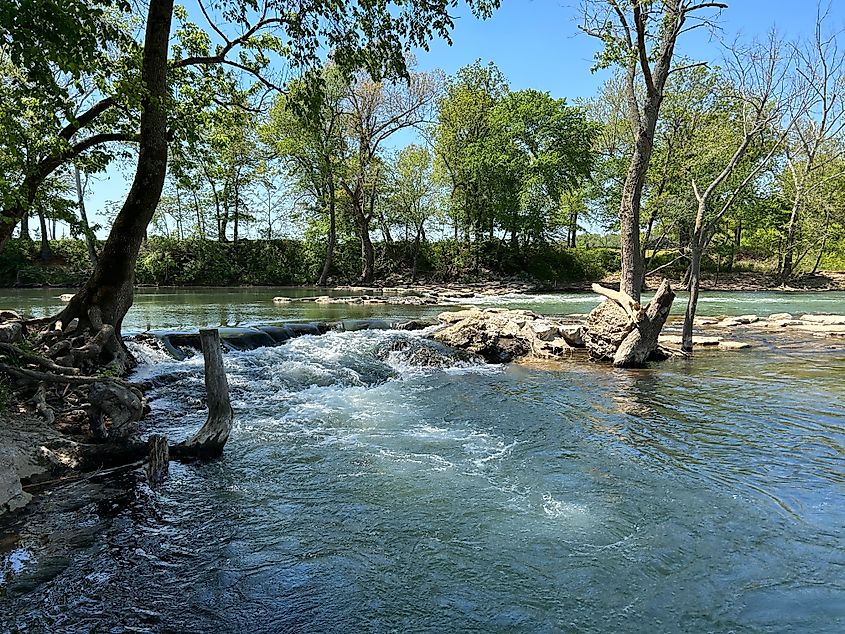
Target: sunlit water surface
[359, 493]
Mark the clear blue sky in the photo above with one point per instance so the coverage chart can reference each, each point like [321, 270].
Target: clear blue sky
[537, 44]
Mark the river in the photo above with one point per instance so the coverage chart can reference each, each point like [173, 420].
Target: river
[361, 493]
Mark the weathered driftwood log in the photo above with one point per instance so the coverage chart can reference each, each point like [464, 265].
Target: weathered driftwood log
[621, 332]
[628, 303]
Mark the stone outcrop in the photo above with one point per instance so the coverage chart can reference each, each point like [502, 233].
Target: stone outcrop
[411, 295]
[621, 331]
[816, 325]
[740, 320]
[606, 328]
[499, 335]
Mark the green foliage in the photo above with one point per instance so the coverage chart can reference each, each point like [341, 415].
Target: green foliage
[172, 262]
[509, 158]
[20, 265]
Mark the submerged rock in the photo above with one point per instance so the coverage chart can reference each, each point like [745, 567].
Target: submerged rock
[423, 353]
[677, 340]
[733, 345]
[740, 320]
[706, 321]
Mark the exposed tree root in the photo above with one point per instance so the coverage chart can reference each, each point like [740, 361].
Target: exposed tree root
[71, 376]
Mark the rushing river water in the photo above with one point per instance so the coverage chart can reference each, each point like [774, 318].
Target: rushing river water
[362, 493]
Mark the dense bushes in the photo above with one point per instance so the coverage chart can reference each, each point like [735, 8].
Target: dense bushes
[170, 262]
[21, 265]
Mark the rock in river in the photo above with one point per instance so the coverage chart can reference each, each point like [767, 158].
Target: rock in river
[499, 335]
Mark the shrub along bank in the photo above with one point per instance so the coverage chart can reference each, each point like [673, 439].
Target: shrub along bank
[171, 262]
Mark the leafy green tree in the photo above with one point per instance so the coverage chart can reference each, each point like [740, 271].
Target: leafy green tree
[640, 36]
[817, 138]
[469, 156]
[412, 195]
[550, 145]
[734, 134]
[308, 139]
[374, 111]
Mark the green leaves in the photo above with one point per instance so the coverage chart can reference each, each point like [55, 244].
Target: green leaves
[71, 36]
[510, 156]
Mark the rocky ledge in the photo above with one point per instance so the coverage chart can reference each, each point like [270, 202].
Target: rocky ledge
[816, 325]
[409, 295]
[499, 335]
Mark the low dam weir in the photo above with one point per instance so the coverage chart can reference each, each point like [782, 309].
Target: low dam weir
[180, 344]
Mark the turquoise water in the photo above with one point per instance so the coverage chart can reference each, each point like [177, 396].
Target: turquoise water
[360, 493]
[181, 308]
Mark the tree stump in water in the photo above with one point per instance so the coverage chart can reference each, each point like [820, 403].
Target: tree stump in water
[158, 461]
[619, 330]
[209, 440]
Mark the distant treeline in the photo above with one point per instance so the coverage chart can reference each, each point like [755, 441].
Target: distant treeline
[194, 262]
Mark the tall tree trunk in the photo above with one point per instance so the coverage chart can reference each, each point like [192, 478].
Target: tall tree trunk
[737, 242]
[368, 259]
[237, 208]
[179, 231]
[223, 225]
[108, 293]
[200, 219]
[692, 301]
[269, 215]
[24, 228]
[697, 242]
[791, 234]
[83, 216]
[332, 239]
[417, 241]
[573, 229]
[45, 253]
[362, 222]
[633, 268]
[823, 246]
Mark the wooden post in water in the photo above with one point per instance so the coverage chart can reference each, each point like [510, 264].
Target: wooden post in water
[158, 460]
[210, 439]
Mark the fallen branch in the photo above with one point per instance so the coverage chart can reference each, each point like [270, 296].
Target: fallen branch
[628, 303]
